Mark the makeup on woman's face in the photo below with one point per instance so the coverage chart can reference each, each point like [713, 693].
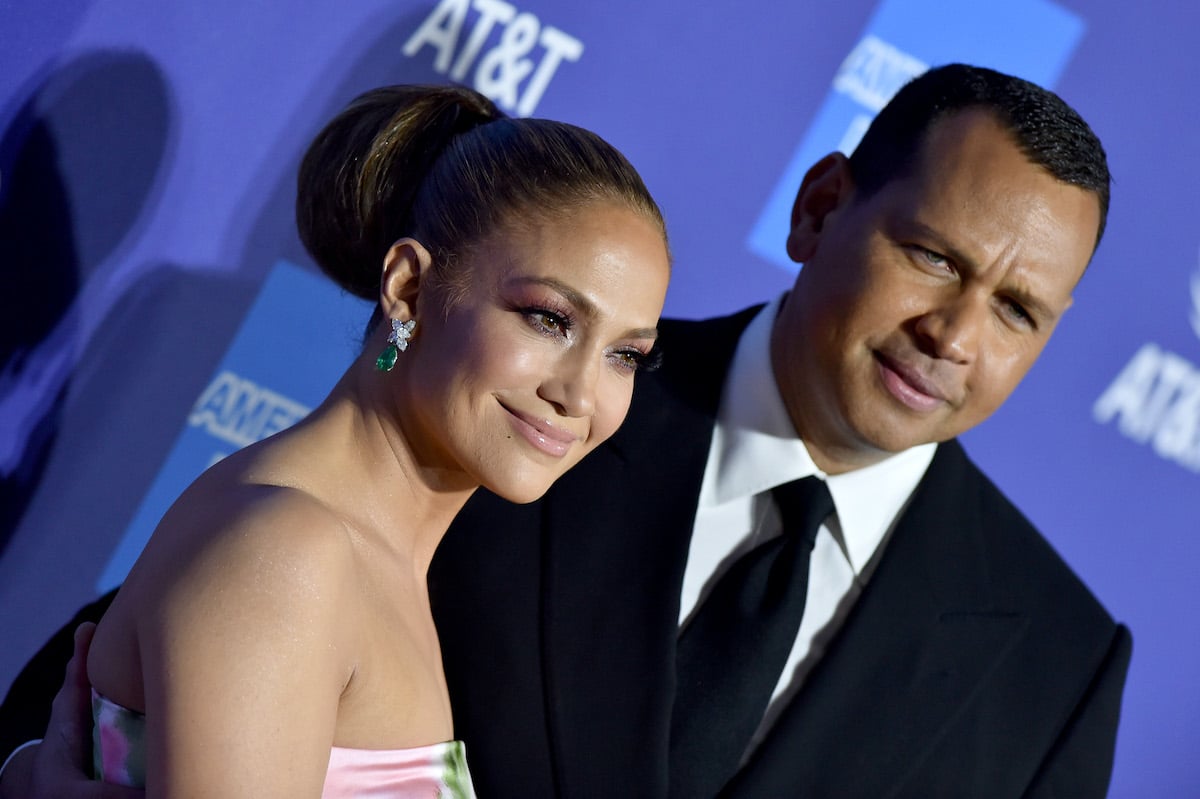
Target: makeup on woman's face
[532, 366]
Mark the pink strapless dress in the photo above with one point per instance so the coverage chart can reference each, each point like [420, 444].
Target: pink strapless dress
[438, 771]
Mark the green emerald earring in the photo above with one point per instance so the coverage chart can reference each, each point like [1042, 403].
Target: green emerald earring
[397, 343]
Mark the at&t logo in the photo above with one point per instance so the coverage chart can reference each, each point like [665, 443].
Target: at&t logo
[1155, 400]
[526, 49]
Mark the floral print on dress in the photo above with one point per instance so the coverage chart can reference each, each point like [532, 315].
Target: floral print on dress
[437, 771]
[118, 743]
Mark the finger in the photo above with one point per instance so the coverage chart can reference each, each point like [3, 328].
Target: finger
[71, 711]
[83, 640]
[82, 705]
[57, 767]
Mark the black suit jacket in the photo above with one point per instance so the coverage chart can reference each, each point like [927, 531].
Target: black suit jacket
[975, 664]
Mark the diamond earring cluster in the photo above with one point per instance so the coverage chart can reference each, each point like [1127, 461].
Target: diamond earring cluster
[397, 343]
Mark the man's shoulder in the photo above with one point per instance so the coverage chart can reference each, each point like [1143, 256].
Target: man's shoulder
[736, 321]
[1025, 568]
[695, 355]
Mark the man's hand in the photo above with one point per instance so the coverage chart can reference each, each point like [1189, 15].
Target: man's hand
[57, 768]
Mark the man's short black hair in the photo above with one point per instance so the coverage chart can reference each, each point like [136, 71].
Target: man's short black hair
[1047, 130]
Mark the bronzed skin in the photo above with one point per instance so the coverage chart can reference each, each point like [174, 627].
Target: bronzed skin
[921, 307]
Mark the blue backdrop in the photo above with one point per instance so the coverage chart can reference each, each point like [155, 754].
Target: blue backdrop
[152, 288]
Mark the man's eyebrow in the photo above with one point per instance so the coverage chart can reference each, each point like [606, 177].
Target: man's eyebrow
[581, 303]
[1031, 303]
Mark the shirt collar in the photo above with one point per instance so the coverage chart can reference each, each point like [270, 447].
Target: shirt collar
[755, 448]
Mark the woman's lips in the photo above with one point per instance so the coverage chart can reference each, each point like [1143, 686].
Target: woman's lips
[544, 436]
[910, 387]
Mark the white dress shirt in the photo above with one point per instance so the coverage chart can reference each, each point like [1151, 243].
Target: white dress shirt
[755, 448]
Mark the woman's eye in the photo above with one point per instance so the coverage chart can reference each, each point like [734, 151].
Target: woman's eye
[630, 360]
[547, 321]
[634, 360]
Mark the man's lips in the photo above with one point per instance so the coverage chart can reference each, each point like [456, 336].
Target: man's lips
[543, 435]
[908, 385]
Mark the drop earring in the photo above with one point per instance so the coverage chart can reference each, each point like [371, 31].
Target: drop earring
[397, 343]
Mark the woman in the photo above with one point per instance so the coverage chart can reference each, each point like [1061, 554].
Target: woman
[275, 636]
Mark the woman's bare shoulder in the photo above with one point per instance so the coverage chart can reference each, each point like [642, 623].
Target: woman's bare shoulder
[231, 530]
[243, 547]
[237, 571]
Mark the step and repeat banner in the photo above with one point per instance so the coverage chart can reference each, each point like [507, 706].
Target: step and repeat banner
[157, 310]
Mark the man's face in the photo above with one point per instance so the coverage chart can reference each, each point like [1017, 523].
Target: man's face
[920, 308]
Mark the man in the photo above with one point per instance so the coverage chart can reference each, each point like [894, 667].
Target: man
[944, 649]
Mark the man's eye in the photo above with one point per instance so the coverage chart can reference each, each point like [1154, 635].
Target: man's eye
[937, 259]
[923, 256]
[1018, 312]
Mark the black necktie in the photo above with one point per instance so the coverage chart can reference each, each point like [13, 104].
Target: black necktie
[732, 652]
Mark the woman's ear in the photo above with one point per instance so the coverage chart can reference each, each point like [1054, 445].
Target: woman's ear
[404, 267]
[826, 187]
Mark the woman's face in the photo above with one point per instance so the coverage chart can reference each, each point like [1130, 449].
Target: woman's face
[532, 365]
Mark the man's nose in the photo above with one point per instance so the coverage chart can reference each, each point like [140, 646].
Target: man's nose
[951, 330]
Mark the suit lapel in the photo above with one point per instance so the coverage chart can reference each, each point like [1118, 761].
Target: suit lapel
[921, 639]
[615, 536]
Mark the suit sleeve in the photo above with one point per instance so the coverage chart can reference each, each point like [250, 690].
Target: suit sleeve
[1080, 763]
[26, 708]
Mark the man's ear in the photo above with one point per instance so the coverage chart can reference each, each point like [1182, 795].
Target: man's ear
[826, 187]
[404, 266]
